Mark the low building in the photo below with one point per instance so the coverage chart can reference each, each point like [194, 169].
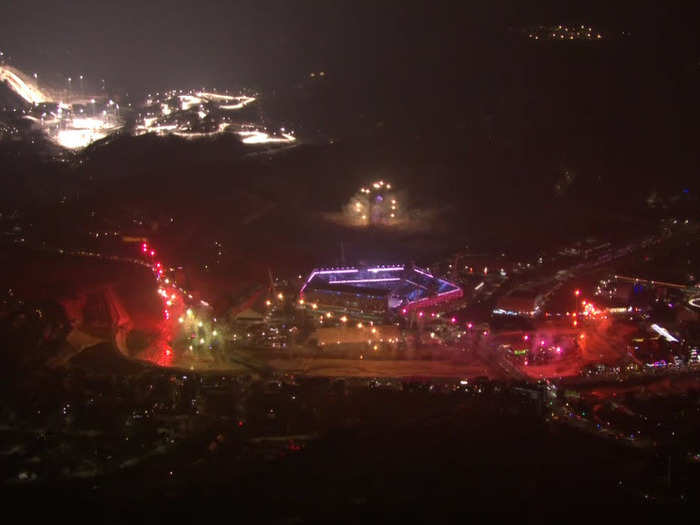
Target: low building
[522, 304]
[249, 316]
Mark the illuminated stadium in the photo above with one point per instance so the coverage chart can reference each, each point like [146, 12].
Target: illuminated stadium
[375, 291]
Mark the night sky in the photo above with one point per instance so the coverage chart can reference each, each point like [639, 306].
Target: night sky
[146, 45]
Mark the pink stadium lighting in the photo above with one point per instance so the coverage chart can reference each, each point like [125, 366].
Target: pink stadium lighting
[385, 279]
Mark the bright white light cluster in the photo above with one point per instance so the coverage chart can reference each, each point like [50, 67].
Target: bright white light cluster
[75, 126]
[66, 124]
[21, 85]
[201, 102]
[374, 204]
[260, 137]
[75, 132]
[77, 138]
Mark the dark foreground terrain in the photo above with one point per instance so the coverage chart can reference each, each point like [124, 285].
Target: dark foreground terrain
[141, 444]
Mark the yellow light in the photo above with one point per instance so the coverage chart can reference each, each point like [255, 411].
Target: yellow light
[189, 312]
[268, 302]
[343, 319]
[214, 333]
[201, 340]
[359, 325]
[314, 306]
[280, 296]
[329, 315]
[374, 330]
[180, 320]
[301, 301]
[199, 324]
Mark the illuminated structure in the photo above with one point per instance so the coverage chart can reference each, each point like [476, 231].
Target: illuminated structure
[374, 204]
[695, 303]
[193, 114]
[21, 84]
[72, 125]
[75, 123]
[374, 292]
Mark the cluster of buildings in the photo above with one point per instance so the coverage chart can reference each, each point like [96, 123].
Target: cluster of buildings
[203, 113]
[563, 32]
[74, 119]
[346, 307]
